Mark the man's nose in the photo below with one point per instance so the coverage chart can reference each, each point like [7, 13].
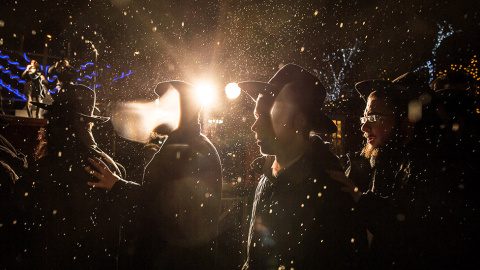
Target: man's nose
[366, 127]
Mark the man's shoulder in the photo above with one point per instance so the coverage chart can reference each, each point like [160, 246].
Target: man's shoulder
[320, 155]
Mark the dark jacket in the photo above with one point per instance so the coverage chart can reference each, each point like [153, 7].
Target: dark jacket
[301, 219]
[419, 212]
[180, 201]
[68, 224]
[33, 87]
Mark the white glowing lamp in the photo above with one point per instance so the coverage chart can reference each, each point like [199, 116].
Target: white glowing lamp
[232, 90]
[205, 92]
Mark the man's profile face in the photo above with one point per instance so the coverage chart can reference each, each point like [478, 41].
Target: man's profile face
[262, 127]
[35, 64]
[378, 132]
[274, 126]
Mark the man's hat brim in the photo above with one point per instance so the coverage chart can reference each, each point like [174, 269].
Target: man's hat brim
[328, 126]
[44, 106]
[90, 118]
[182, 87]
[288, 74]
[253, 89]
[407, 86]
[365, 88]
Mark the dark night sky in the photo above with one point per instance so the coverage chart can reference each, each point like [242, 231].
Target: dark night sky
[240, 40]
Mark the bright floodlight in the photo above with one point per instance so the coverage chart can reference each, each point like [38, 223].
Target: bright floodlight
[205, 92]
[232, 90]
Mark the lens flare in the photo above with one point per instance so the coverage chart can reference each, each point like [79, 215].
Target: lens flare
[232, 90]
[136, 121]
[206, 92]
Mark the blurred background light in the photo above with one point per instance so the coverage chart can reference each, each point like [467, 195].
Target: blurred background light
[206, 92]
[232, 90]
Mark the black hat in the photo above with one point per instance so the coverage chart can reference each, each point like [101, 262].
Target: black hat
[407, 86]
[311, 88]
[457, 102]
[186, 91]
[75, 100]
[453, 79]
[190, 105]
[183, 88]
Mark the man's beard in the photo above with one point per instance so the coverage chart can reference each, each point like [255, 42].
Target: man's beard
[369, 151]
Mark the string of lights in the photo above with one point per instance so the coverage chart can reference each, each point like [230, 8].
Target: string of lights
[51, 79]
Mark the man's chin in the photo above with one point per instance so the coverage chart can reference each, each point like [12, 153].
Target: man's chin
[266, 150]
[369, 150]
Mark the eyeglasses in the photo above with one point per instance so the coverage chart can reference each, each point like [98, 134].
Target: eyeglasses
[372, 118]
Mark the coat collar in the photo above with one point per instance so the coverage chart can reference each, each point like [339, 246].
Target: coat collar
[300, 169]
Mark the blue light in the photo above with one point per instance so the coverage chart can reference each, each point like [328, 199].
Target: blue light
[13, 77]
[13, 90]
[123, 75]
[13, 63]
[25, 57]
[85, 66]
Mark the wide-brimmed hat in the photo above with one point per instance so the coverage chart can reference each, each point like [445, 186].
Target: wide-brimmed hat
[186, 91]
[407, 86]
[310, 87]
[190, 105]
[453, 79]
[78, 100]
[457, 102]
[183, 88]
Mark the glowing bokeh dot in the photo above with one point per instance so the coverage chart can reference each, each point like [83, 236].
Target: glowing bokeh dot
[232, 90]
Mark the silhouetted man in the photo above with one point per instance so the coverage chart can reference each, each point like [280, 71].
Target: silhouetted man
[180, 194]
[300, 218]
[419, 208]
[68, 224]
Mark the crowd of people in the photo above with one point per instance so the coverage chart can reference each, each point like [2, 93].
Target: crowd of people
[407, 201]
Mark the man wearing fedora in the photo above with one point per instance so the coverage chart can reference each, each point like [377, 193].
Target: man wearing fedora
[180, 193]
[415, 208]
[300, 218]
[68, 225]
